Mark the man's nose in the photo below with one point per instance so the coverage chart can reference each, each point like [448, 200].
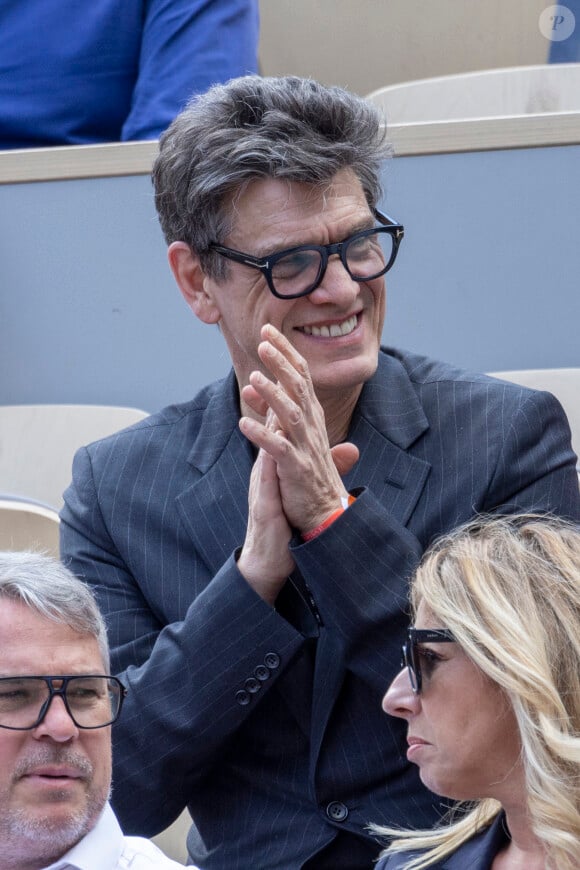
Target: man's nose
[400, 700]
[57, 722]
[336, 286]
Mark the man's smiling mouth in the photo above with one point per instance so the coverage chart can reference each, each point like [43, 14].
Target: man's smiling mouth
[334, 330]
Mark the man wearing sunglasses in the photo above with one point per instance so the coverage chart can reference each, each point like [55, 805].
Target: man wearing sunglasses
[252, 548]
[57, 703]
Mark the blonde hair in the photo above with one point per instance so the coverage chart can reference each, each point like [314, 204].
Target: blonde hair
[509, 590]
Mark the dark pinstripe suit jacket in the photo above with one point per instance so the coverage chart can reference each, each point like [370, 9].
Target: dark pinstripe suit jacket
[265, 722]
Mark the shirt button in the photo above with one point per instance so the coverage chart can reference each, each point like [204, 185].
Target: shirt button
[262, 673]
[272, 661]
[336, 811]
[252, 685]
[242, 698]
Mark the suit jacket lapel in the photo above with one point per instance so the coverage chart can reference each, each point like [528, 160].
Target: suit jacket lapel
[388, 419]
[215, 507]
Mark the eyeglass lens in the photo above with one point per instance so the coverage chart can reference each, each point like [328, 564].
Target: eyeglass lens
[411, 657]
[409, 661]
[365, 255]
[92, 701]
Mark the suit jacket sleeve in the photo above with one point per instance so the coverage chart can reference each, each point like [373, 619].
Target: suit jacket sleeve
[183, 678]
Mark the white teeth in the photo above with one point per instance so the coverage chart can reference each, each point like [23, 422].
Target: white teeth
[334, 330]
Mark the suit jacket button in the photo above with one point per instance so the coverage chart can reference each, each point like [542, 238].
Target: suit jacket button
[262, 673]
[242, 698]
[336, 811]
[252, 685]
[272, 661]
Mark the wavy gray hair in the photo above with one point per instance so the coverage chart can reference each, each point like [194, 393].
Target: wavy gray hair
[254, 127]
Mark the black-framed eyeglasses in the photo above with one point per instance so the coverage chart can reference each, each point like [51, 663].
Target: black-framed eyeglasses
[91, 700]
[410, 658]
[298, 271]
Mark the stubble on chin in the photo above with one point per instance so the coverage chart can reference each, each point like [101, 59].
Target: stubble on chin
[31, 836]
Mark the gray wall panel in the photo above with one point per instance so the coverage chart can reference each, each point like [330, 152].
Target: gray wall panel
[488, 278]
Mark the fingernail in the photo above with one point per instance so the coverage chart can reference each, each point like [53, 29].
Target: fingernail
[266, 348]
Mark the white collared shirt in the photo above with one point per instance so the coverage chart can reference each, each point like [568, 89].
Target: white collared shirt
[105, 848]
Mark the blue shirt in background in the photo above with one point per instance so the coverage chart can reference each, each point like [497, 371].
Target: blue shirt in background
[74, 72]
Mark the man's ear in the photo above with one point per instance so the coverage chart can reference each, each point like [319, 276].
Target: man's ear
[192, 281]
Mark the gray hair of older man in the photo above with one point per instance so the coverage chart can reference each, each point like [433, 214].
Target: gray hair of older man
[46, 586]
[259, 127]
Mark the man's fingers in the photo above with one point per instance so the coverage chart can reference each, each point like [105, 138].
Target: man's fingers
[285, 363]
[272, 335]
[344, 456]
[252, 398]
[272, 442]
[284, 406]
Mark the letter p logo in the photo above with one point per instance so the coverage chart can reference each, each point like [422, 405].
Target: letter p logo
[557, 23]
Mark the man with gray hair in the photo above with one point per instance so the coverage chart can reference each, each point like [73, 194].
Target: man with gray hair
[57, 703]
[251, 549]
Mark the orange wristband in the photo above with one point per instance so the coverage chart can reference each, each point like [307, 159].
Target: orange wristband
[313, 533]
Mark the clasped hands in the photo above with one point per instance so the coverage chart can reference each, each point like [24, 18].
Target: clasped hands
[295, 483]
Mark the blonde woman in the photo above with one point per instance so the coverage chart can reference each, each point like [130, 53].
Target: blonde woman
[491, 695]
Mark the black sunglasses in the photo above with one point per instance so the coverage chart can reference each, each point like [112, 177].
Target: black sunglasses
[410, 657]
[298, 271]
